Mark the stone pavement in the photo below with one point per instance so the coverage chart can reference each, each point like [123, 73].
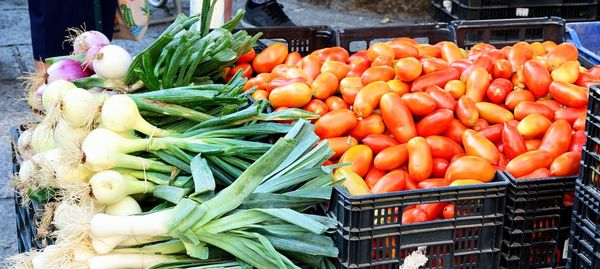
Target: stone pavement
[16, 58]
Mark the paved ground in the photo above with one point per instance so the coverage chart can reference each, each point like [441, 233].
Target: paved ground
[16, 58]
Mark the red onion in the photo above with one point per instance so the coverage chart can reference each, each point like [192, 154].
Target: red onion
[91, 54]
[68, 70]
[88, 39]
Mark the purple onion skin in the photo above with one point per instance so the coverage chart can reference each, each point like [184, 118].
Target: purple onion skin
[90, 55]
[87, 40]
[68, 70]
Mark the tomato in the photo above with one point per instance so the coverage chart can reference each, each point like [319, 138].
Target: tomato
[435, 123]
[519, 54]
[379, 142]
[399, 87]
[391, 182]
[368, 98]
[403, 49]
[533, 125]
[293, 58]
[550, 103]
[477, 145]
[439, 78]
[480, 125]
[280, 82]
[439, 167]
[380, 50]
[372, 124]
[527, 107]
[408, 69]
[455, 131]
[419, 158]
[247, 57]
[568, 72]
[560, 54]
[339, 145]
[462, 182]
[335, 103]
[339, 69]
[338, 54]
[377, 73]
[411, 184]
[391, 157]
[352, 181]
[373, 176]
[360, 156]
[533, 144]
[557, 138]
[450, 52]
[414, 215]
[470, 167]
[569, 114]
[461, 65]
[537, 78]
[586, 79]
[419, 103]
[481, 62]
[493, 113]
[293, 95]
[311, 65]
[270, 57]
[492, 132]
[477, 84]
[443, 99]
[579, 124]
[514, 143]
[432, 183]
[529, 162]
[456, 88]
[538, 173]
[245, 68]
[433, 64]
[448, 211]
[324, 85]
[466, 111]
[358, 66]
[316, 106]
[260, 95]
[443, 147]
[498, 90]
[426, 50]
[335, 123]
[538, 49]
[577, 141]
[502, 69]
[568, 94]
[432, 210]
[261, 81]
[397, 117]
[549, 45]
[566, 164]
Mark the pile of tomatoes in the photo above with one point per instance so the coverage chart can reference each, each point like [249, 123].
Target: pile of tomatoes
[410, 116]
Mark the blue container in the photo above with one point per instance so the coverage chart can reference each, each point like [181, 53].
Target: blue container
[585, 36]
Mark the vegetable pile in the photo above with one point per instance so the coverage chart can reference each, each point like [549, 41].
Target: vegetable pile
[152, 162]
[419, 116]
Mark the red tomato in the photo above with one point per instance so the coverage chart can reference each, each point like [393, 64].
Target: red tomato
[533, 144]
[419, 158]
[443, 147]
[448, 211]
[461, 65]
[419, 103]
[433, 64]
[477, 145]
[466, 111]
[397, 117]
[566, 164]
[443, 99]
[391, 182]
[339, 145]
[432, 210]
[373, 176]
[439, 78]
[560, 54]
[335, 123]
[502, 69]
[538, 173]
[372, 124]
[378, 142]
[550, 103]
[245, 68]
[519, 54]
[413, 215]
[568, 94]
[270, 57]
[338, 54]
[247, 57]
[557, 138]
[455, 131]
[498, 90]
[477, 84]
[514, 144]
[492, 113]
[368, 98]
[280, 82]
[317, 106]
[480, 125]
[577, 141]
[537, 78]
[380, 50]
[470, 167]
[339, 69]
[569, 114]
[403, 49]
[293, 58]
[481, 62]
[311, 65]
[431, 183]
[579, 123]
[377, 73]
[529, 162]
[492, 132]
[516, 97]
[360, 156]
[335, 103]
[391, 158]
[439, 167]
[527, 107]
[435, 123]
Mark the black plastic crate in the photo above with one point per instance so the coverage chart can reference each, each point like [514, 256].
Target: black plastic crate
[584, 243]
[536, 222]
[590, 155]
[370, 232]
[355, 39]
[594, 110]
[520, 3]
[303, 39]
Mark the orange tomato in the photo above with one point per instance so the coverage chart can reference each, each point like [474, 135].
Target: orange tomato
[428, 50]
[566, 164]
[317, 106]
[414, 215]
[448, 211]
[519, 54]
[568, 94]
[260, 95]
[533, 144]
[568, 72]
[380, 50]
[391, 158]
[403, 49]
[339, 69]
[492, 133]
[311, 65]
[408, 69]
[527, 107]
[557, 138]
[261, 81]
[560, 54]
[502, 69]
[324, 85]
[398, 86]
[529, 162]
[481, 62]
[339, 145]
[456, 88]
[419, 158]
[533, 125]
[470, 167]
[373, 176]
[360, 156]
[450, 52]
[443, 147]
[293, 58]
[492, 113]
[292, 95]
[516, 97]
[335, 103]
[579, 124]
[352, 181]
[537, 78]
[577, 141]
[379, 142]
[477, 84]
[435, 123]
[480, 125]
[333, 54]
[538, 49]
[419, 103]
[538, 173]
[477, 145]
[377, 73]
[549, 45]
[372, 124]
[466, 111]
[439, 78]
[433, 64]
[247, 57]
[455, 131]
[335, 123]
[432, 183]
[461, 65]
[280, 82]
[358, 66]
[270, 57]
[246, 70]
[432, 210]
[569, 114]
[552, 104]
[397, 117]
[442, 98]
